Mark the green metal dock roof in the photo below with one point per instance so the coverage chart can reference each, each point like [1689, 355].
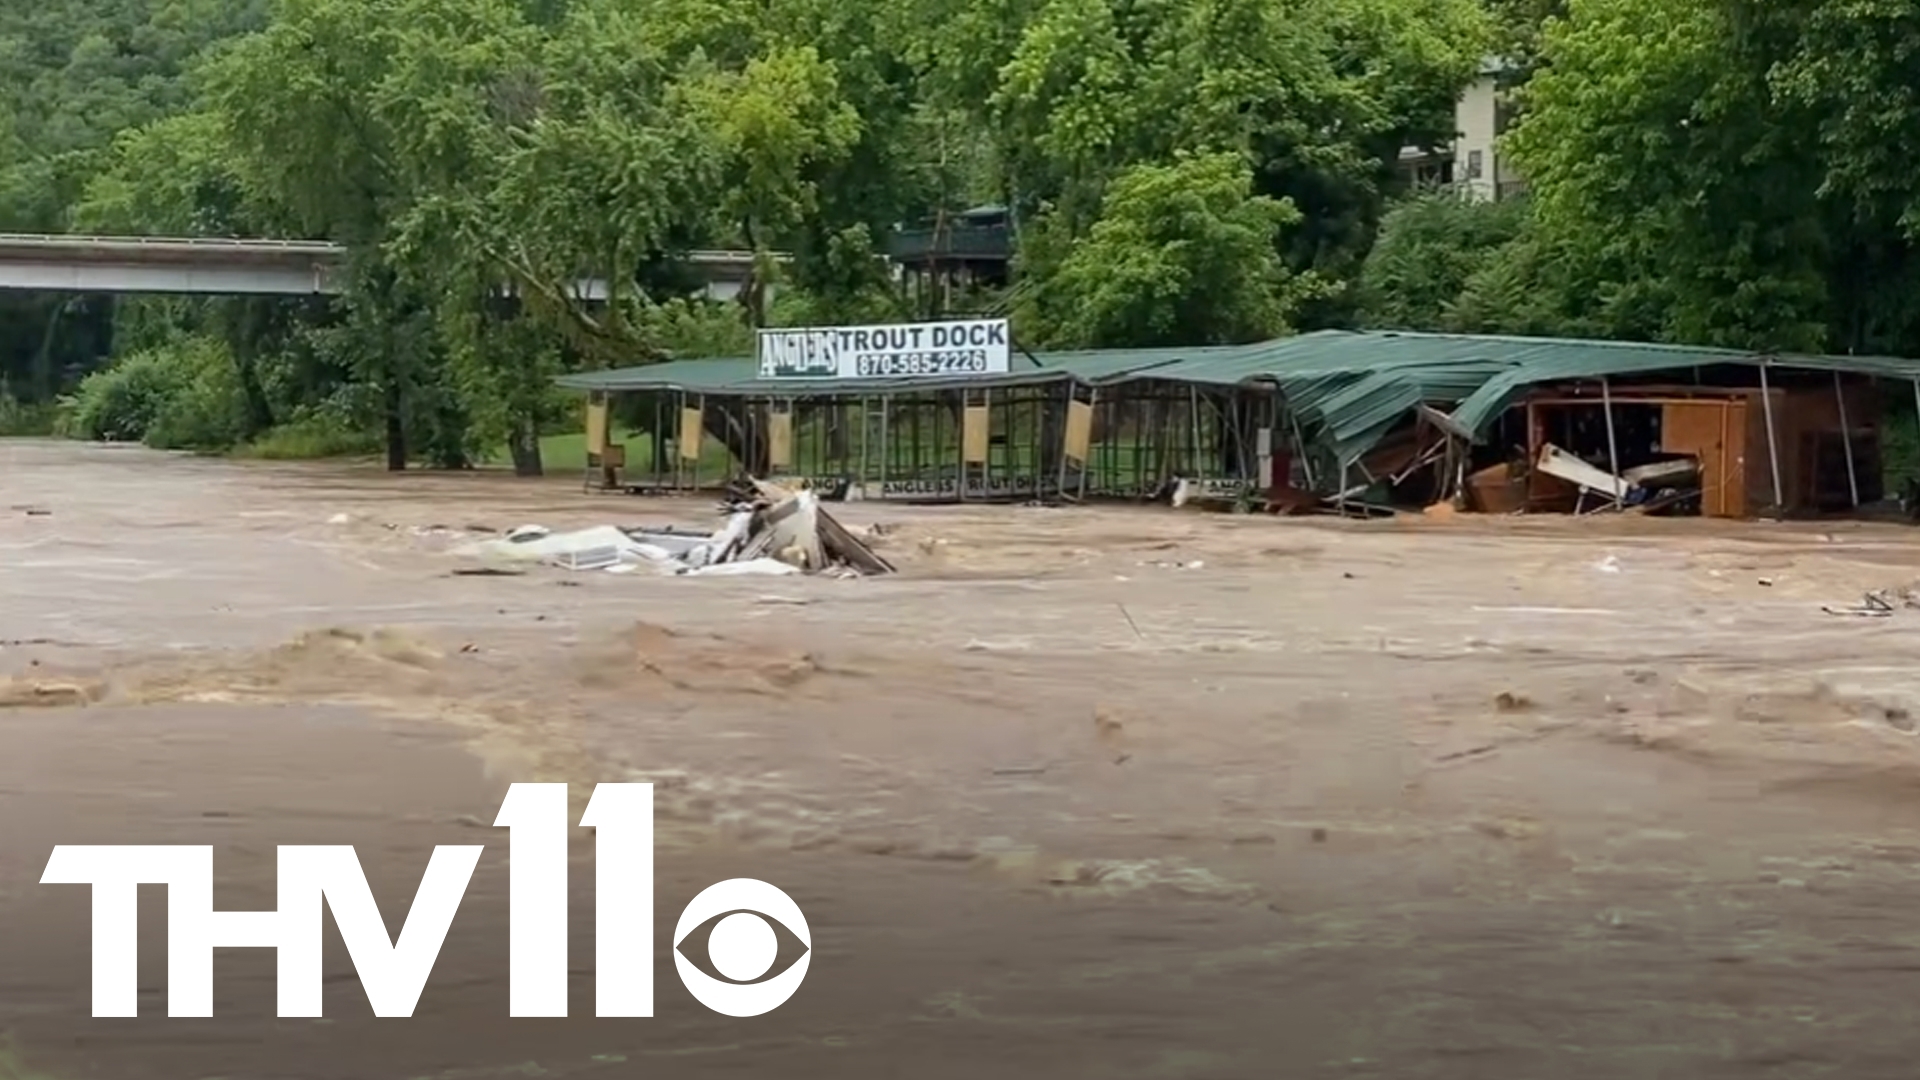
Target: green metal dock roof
[1609, 359]
[1351, 387]
[1348, 388]
[696, 376]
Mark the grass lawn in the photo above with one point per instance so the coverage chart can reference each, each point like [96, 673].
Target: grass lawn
[567, 453]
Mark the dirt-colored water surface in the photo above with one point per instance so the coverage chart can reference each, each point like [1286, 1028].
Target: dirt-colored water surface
[1103, 793]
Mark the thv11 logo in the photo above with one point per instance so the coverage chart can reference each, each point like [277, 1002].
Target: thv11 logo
[393, 971]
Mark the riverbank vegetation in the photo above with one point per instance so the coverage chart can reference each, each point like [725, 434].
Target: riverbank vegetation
[1177, 172]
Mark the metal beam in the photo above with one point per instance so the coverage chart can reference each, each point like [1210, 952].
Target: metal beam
[134, 264]
[314, 279]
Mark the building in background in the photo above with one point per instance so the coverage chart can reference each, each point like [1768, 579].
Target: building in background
[1472, 164]
[943, 259]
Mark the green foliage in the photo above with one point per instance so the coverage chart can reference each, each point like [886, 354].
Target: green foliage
[1728, 173]
[187, 395]
[778, 121]
[307, 437]
[74, 75]
[1225, 157]
[121, 403]
[173, 177]
[1734, 173]
[181, 397]
[844, 283]
[26, 418]
[1430, 247]
[1179, 172]
[700, 328]
[1181, 254]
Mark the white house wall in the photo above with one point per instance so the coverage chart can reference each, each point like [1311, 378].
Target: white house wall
[1476, 117]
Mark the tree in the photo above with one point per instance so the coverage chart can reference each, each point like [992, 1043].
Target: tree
[1675, 177]
[780, 122]
[1319, 96]
[1182, 254]
[1178, 171]
[1429, 248]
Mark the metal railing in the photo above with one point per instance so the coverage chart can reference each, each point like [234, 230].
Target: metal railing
[196, 243]
[70, 244]
[911, 245]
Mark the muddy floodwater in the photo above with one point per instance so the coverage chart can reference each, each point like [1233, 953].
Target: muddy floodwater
[1079, 793]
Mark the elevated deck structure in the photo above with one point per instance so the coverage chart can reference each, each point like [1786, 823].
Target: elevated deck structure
[182, 265]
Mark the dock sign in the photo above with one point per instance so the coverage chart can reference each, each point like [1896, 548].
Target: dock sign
[904, 350]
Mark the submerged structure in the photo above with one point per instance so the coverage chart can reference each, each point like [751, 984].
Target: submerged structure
[956, 411]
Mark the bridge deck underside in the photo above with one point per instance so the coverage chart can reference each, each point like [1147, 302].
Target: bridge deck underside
[238, 279]
[93, 264]
[65, 275]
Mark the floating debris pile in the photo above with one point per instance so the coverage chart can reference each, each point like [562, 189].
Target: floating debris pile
[769, 530]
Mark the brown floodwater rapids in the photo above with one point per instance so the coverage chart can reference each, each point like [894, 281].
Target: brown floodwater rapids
[1080, 792]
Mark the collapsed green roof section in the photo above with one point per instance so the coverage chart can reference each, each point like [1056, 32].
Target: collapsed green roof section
[1347, 388]
[1609, 359]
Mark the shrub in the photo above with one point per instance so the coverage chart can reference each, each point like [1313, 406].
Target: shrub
[119, 403]
[181, 396]
[313, 436]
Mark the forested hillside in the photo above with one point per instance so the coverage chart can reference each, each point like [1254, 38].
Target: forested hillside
[1179, 171]
[73, 75]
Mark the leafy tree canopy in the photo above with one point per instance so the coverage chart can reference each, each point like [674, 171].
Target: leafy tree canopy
[1177, 171]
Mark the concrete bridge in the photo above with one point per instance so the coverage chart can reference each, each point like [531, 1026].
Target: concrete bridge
[130, 264]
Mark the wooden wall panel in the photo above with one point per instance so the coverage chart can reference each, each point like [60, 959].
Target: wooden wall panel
[1716, 433]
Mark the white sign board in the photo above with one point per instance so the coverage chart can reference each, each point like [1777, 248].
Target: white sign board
[904, 350]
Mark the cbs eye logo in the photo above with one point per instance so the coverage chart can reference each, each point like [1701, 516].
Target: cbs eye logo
[742, 947]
